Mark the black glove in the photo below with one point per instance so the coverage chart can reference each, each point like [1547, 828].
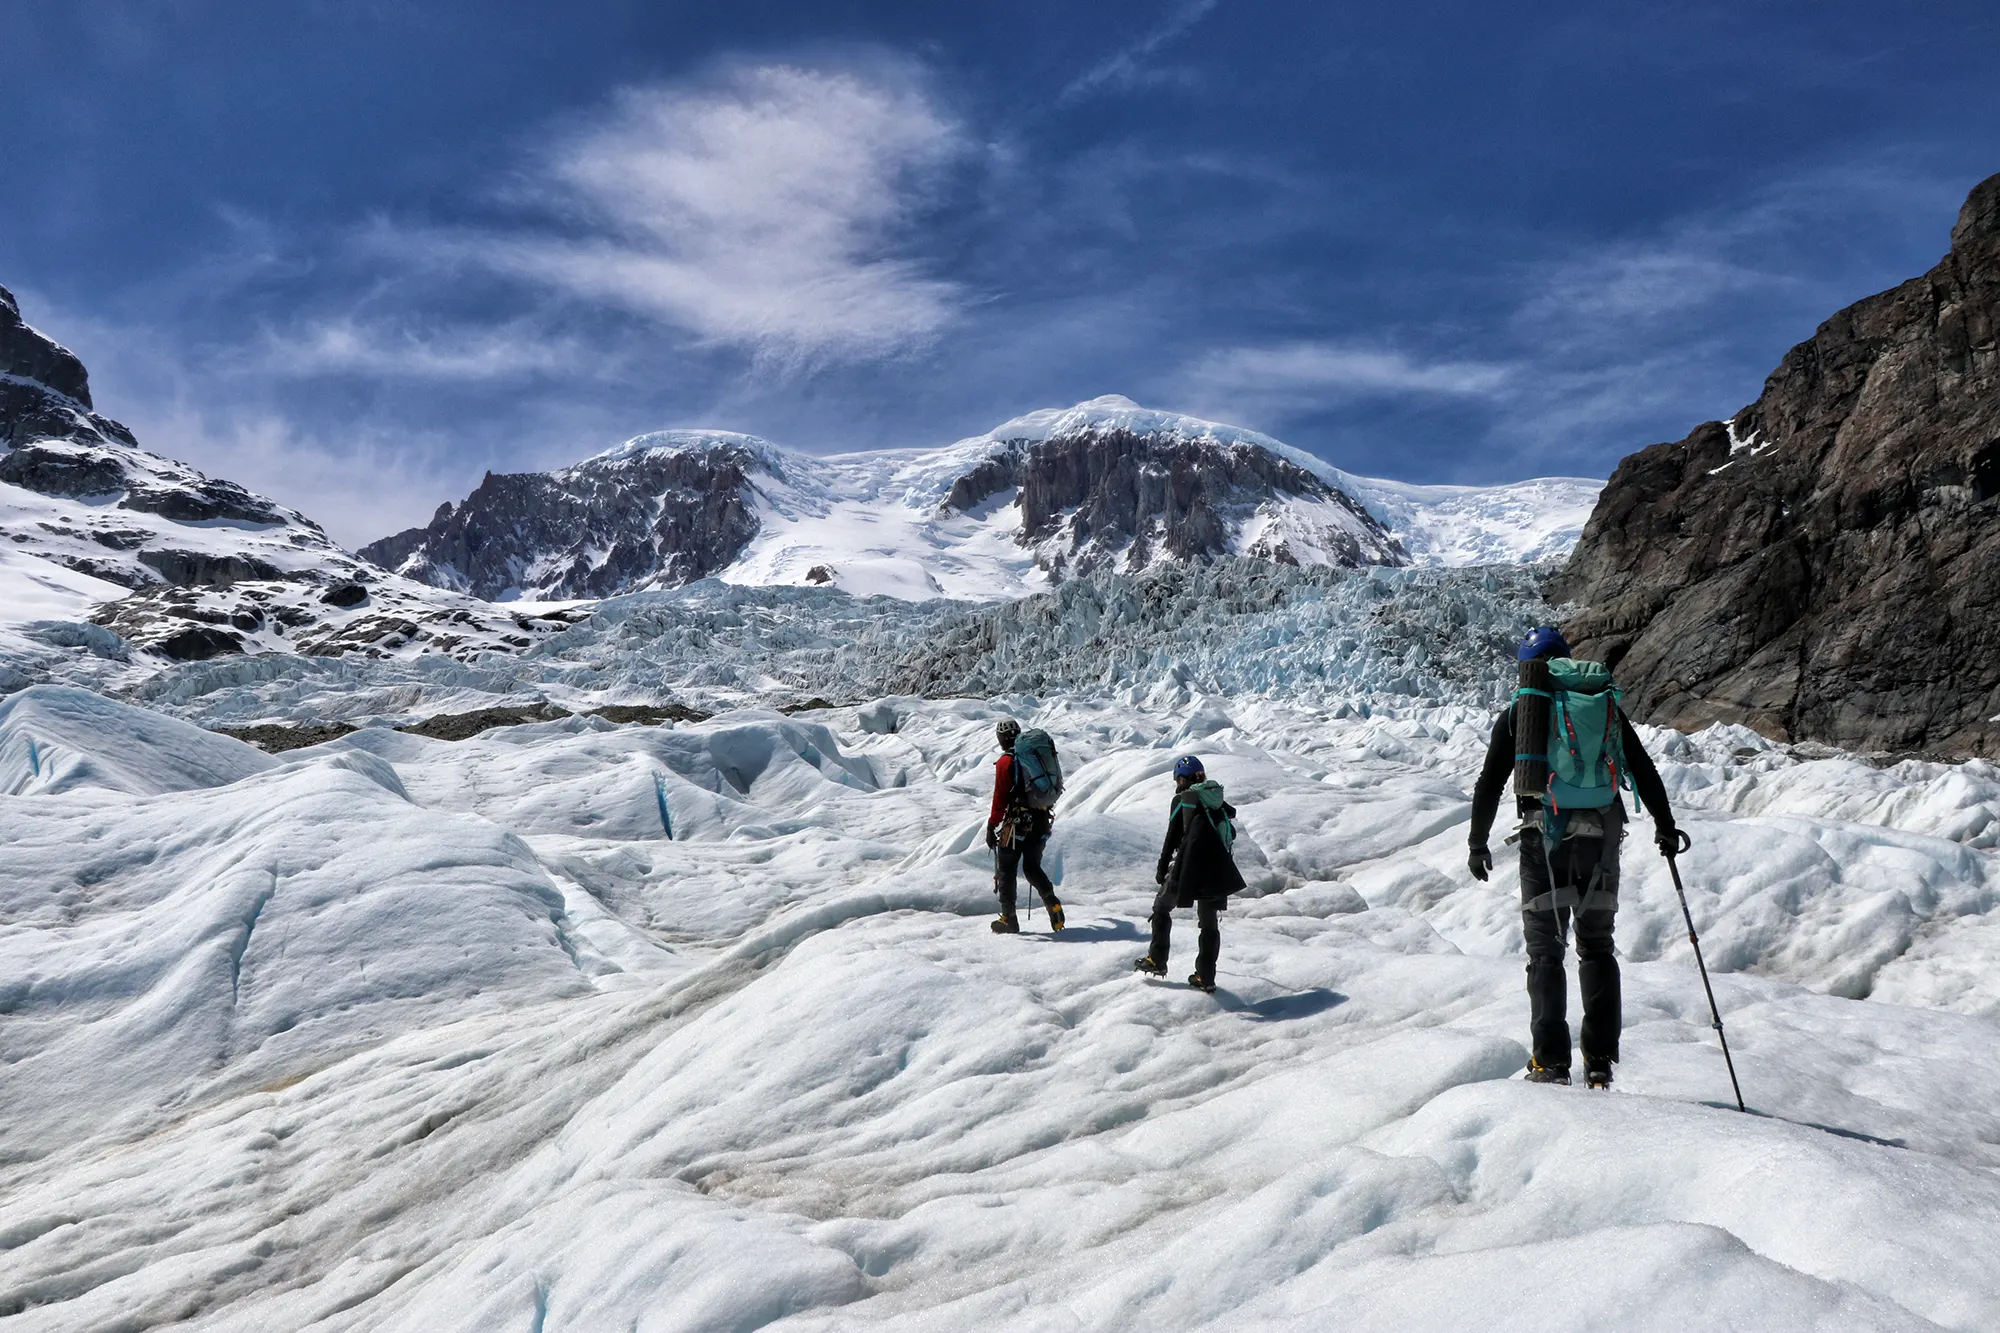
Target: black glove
[1160, 877]
[1480, 862]
[992, 835]
[1671, 841]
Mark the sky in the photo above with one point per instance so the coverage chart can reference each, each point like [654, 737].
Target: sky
[354, 255]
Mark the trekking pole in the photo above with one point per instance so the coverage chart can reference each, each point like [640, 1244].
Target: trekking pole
[1686, 842]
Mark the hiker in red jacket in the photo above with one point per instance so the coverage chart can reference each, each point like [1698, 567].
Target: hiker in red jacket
[1017, 832]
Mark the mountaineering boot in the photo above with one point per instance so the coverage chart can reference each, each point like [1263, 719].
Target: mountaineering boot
[1541, 1073]
[1006, 924]
[1597, 1072]
[1149, 967]
[1055, 914]
[1202, 983]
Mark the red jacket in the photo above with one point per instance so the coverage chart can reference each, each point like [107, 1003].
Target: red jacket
[1003, 789]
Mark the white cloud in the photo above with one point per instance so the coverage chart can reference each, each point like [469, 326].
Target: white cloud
[1627, 290]
[1292, 376]
[1127, 67]
[360, 485]
[761, 211]
[348, 345]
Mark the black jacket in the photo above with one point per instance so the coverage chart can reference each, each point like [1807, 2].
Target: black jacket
[1194, 863]
[1499, 768]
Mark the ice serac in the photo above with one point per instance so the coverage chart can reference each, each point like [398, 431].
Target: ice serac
[659, 511]
[1822, 565]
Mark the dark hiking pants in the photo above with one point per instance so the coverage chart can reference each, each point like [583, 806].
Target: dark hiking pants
[1576, 885]
[1208, 942]
[1025, 857]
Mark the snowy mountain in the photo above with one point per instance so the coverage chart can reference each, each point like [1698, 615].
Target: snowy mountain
[180, 565]
[1104, 484]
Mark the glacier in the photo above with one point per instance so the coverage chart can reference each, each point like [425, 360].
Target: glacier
[699, 1026]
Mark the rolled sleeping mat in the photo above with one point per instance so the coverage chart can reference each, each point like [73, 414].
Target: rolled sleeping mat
[1531, 731]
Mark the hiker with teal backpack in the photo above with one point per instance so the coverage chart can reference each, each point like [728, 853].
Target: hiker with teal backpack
[1027, 781]
[1196, 870]
[1572, 754]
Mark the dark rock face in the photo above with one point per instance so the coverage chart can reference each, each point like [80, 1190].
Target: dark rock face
[199, 569]
[29, 355]
[65, 471]
[1826, 566]
[198, 643]
[602, 527]
[211, 498]
[44, 390]
[1116, 489]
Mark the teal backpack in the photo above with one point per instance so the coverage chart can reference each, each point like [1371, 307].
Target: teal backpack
[1585, 747]
[1206, 796]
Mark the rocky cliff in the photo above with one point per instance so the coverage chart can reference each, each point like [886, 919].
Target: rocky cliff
[661, 511]
[1826, 564]
[1106, 494]
[44, 389]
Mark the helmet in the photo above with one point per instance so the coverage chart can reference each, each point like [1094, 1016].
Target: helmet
[1187, 766]
[1008, 731]
[1543, 641]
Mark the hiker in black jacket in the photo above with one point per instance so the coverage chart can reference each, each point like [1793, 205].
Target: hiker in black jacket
[1196, 869]
[1569, 867]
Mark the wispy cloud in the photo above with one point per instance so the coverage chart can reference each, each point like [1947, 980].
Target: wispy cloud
[1130, 66]
[1639, 338]
[348, 344]
[360, 483]
[763, 210]
[1288, 377]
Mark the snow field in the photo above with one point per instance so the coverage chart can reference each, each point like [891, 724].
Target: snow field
[399, 1033]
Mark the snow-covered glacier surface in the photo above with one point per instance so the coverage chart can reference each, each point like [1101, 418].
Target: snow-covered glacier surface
[580, 1026]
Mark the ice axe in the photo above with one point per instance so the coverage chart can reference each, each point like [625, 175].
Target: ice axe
[1681, 843]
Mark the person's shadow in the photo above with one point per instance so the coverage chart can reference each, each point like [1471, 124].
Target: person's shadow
[1283, 1008]
[1107, 931]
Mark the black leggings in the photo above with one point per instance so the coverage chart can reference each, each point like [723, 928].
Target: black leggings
[1208, 942]
[1575, 864]
[1026, 856]
[1548, 988]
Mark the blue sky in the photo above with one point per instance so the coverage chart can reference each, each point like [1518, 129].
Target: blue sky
[355, 254]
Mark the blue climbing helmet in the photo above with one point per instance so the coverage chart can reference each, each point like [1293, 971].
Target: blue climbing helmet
[1543, 641]
[1187, 766]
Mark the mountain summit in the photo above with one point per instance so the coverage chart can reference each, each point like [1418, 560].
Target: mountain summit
[1104, 484]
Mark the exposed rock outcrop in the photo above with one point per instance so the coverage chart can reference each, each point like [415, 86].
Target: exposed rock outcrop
[659, 516]
[44, 389]
[1826, 565]
[1113, 494]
